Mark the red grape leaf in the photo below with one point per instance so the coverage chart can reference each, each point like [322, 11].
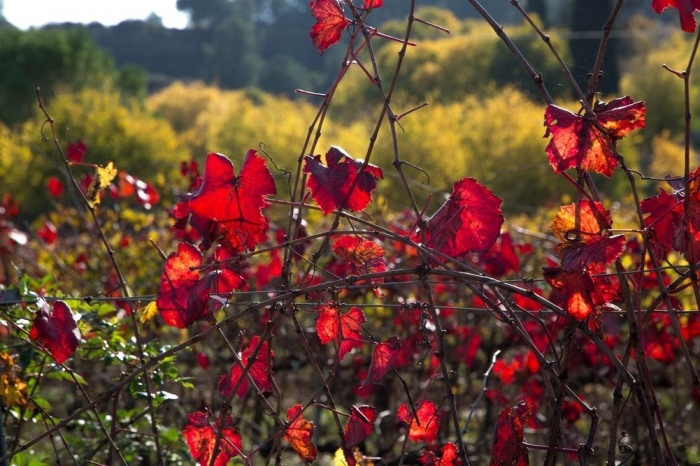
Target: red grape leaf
[55, 186]
[260, 370]
[339, 185]
[599, 251]
[665, 221]
[200, 435]
[359, 426]
[76, 151]
[56, 329]
[577, 288]
[373, 3]
[363, 255]
[501, 257]
[184, 297]
[685, 11]
[507, 447]
[48, 232]
[449, 457]
[330, 23]
[298, 433]
[345, 329]
[469, 221]
[426, 427]
[383, 359]
[230, 205]
[579, 143]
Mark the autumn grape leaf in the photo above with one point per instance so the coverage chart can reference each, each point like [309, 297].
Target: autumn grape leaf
[577, 289]
[13, 391]
[359, 426]
[364, 256]
[383, 359]
[149, 312]
[298, 433]
[184, 297]
[56, 187]
[260, 370]
[373, 4]
[76, 151]
[507, 447]
[201, 434]
[685, 11]
[103, 177]
[344, 329]
[469, 221]
[500, 257]
[425, 427]
[330, 23]
[449, 457]
[228, 205]
[339, 185]
[578, 142]
[56, 329]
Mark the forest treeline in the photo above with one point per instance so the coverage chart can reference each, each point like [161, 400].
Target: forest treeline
[96, 98]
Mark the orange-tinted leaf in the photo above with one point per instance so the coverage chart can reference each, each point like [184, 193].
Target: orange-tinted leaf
[345, 329]
[383, 359]
[260, 370]
[56, 329]
[359, 426]
[685, 11]
[577, 288]
[228, 205]
[184, 297]
[425, 427]
[578, 143]
[299, 432]
[469, 221]
[201, 434]
[330, 23]
[590, 217]
[507, 447]
[339, 185]
[449, 457]
[363, 255]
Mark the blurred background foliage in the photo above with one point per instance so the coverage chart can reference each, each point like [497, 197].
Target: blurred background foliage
[484, 118]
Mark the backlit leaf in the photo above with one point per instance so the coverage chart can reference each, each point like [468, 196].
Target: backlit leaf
[383, 359]
[449, 457]
[577, 288]
[201, 434]
[149, 312]
[685, 11]
[577, 142]
[55, 186]
[507, 447]
[425, 427]
[260, 370]
[299, 432]
[363, 255]
[330, 23]
[344, 329]
[230, 206]
[13, 391]
[469, 221]
[103, 177]
[359, 426]
[184, 297]
[56, 329]
[338, 185]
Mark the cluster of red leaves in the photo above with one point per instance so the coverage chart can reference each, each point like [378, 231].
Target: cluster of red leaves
[343, 183]
[507, 446]
[671, 225]
[584, 253]
[587, 141]
[201, 435]
[56, 329]
[685, 11]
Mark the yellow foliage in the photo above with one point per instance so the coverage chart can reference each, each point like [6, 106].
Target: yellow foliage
[668, 157]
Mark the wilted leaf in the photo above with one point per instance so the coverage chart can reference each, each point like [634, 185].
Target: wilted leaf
[383, 359]
[56, 329]
[339, 185]
[330, 23]
[469, 221]
[201, 434]
[577, 142]
[507, 447]
[298, 433]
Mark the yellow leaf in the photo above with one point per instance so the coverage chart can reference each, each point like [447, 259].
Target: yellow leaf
[13, 392]
[148, 312]
[103, 177]
[339, 458]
